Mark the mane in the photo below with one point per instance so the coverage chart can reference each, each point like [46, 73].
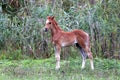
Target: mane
[54, 22]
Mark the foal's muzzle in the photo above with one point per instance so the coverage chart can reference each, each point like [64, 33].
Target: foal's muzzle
[45, 29]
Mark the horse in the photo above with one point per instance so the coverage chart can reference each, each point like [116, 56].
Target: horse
[60, 39]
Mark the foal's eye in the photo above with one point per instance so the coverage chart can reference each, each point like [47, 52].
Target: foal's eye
[49, 23]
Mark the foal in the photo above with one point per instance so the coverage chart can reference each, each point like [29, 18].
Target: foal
[61, 39]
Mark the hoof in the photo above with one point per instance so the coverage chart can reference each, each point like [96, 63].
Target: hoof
[92, 68]
[82, 68]
[57, 68]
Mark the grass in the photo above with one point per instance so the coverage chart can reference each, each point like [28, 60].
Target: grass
[105, 69]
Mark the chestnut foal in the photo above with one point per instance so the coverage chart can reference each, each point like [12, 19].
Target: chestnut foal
[61, 39]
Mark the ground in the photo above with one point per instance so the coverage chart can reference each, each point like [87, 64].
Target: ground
[44, 69]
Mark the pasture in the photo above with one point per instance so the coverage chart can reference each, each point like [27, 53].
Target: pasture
[105, 69]
[26, 52]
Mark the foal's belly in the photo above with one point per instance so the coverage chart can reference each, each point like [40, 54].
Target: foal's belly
[68, 43]
[67, 39]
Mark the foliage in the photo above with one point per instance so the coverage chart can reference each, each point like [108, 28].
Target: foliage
[22, 35]
[70, 70]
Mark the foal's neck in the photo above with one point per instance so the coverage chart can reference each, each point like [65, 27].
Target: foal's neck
[56, 29]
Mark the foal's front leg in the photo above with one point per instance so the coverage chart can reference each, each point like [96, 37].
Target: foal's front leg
[57, 56]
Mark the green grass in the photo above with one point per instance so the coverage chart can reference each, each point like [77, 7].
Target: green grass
[105, 69]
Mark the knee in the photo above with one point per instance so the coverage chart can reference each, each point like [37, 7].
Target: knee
[57, 57]
[90, 56]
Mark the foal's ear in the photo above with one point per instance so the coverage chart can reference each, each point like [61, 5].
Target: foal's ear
[52, 17]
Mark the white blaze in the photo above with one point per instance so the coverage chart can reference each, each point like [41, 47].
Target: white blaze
[47, 21]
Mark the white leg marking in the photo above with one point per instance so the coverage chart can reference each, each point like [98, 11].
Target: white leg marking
[83, 64]
[91, 62]
[92, 65]
[57, 56]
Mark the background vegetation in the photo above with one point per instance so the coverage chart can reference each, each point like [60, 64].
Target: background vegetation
[22, 21]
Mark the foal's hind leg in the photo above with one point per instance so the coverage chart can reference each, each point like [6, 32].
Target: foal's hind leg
[89, 53]
[83, 58]
[87, 50]
[84, 55]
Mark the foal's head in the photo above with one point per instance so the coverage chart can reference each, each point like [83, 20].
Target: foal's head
[49, 23]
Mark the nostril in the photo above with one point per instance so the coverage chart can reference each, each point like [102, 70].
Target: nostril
[46, 29]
